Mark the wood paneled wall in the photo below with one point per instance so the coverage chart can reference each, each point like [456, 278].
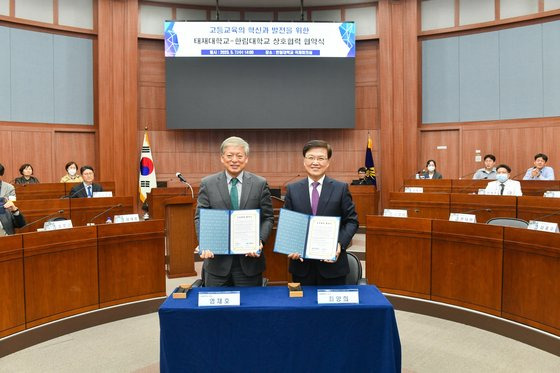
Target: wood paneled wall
[129, 78]
[275, 154]
[46, 147]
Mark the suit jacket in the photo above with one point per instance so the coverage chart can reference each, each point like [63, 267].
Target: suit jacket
[426, 175]
[79, 191]
[511, 188]
[11, 221]
[7, 190]
[335, 200]
[213, 193]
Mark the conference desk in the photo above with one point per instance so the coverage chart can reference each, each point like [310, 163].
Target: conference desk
[503, 271]
[270, 332]
[529, 187]
[53, 190]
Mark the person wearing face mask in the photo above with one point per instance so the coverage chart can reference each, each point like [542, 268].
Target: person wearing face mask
[72, 175]
[430, 171]
[504, 185]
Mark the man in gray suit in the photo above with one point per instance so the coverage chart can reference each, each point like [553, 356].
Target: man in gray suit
[6, 190]
[234, 189]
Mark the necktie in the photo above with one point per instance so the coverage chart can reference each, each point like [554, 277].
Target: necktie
[89, 193]
[502, 186]
[233, 194]
[314, 197]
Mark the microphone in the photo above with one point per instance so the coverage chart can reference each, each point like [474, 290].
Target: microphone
[184, 181]
[469, 186]
[473, 210]
[519, 174]
[412, 177]
[469, 174]
[547, 215]
[43, 218]
[73, 194]
[103, 212]
[290, 179]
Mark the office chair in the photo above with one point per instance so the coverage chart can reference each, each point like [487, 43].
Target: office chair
[508, 222]
[354, 277]
[199, 283]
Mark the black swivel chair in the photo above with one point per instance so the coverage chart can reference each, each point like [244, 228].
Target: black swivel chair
[354, 277]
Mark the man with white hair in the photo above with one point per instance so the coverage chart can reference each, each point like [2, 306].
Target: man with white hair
[233, 189]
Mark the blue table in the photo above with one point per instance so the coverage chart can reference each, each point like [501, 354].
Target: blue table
[271, 332]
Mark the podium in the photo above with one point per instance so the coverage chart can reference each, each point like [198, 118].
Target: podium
[12, 306]
[157, 197]
[366, 200]
[181, 236]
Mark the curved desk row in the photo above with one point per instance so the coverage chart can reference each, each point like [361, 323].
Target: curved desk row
[440, 205]
[507, 272]
[529, 187]
[45, 276]
[53, 190]
[80, 210]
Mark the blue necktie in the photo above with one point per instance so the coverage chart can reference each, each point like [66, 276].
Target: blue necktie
[89, 193]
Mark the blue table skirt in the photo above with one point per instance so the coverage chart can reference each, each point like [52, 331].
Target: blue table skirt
[271, 332]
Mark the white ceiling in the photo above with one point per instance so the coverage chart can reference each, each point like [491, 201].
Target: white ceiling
[265, 3]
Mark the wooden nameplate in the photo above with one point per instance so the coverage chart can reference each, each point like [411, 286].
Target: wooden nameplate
[182, 291]
[295, 290]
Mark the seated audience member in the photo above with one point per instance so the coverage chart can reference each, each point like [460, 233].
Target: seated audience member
[488, 171]
[10, 217]
[71, 173]
[430, 171]
[362, 178]
[6, 189]
[26, 172]
[503, 184]
[540, 171]
[87, 187]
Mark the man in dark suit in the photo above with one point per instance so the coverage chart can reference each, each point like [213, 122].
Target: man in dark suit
[334, 199]
[85, 189]
[362, 178]
[10, 217]
[234, 189]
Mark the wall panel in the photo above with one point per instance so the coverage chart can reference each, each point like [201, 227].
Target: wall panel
[518, 146]
[447, 159]
[42, 160]
[73, 146]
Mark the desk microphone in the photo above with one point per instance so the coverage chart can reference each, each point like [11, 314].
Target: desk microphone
[73, 194]
[184, 181]
[547, 215]
[104, 211]
[43, 218]
[519, 174]
[466, 188]
[290, 179]
[473, 210]
[469, 174]
[412, 177]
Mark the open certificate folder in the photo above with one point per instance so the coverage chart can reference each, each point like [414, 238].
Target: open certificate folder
[225, 232]
[312, 237]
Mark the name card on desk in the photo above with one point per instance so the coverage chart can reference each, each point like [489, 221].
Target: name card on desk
[55, 225]
[413, 189]
[219, 299]
[552, 194]
[395, 213]
[544, 226]
[102, 194]
[338, 296]
[482, 191]
[128, 218]
[463, 218]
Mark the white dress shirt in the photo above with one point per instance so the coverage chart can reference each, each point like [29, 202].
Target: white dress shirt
[511, 188]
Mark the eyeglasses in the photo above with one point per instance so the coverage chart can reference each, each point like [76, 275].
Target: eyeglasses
[231, 157]
[312, 159]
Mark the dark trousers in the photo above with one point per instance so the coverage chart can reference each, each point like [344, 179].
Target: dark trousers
[313, 277]
[236, 277]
